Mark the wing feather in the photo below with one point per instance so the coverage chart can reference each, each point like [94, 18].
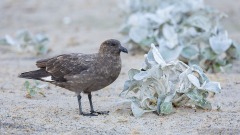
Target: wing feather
[66, 64]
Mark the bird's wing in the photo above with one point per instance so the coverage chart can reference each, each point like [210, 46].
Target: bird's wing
[43, 62]
[66, 64]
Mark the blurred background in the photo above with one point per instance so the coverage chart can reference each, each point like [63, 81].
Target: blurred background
[74, 24]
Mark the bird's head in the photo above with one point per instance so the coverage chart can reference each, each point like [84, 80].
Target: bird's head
[112, 46]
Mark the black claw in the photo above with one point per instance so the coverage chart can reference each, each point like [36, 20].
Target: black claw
[100, 113]
[94, 113]
[88, 114]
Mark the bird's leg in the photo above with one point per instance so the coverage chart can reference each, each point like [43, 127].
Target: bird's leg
[79, 104]
[90, 102]
[91, 106]
[80, 107]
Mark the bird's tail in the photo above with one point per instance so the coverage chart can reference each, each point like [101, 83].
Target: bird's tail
[37, 74]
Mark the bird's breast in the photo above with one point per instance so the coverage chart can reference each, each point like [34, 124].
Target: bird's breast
[110, 68]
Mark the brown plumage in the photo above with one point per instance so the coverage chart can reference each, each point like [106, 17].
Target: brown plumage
[81, 72]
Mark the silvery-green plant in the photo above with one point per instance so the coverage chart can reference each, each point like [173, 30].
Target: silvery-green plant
[184, 29]
[33, 89]
[25, 41]
[162, 85]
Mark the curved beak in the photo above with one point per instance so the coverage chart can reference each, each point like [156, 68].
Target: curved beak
[122, 49]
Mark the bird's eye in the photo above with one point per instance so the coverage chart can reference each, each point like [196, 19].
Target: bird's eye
[113, 44]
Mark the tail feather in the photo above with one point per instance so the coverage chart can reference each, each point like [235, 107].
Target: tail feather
[37, 74]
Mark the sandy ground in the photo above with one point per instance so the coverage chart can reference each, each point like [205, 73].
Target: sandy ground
[92, 22]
